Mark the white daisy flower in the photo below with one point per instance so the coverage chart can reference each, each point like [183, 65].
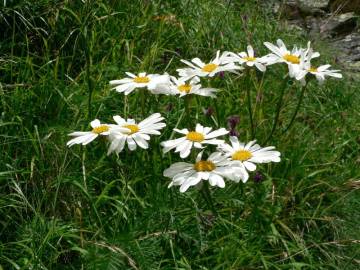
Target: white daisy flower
[182, 88]
[214, 170]
[201, 135]
[150, 81]
[280, 54]
[127, 131]
[248, 58]
[85, 137]
[319, 72]
[200, 69]
[245, 156]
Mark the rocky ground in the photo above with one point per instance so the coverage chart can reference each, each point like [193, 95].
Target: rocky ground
[334, 21]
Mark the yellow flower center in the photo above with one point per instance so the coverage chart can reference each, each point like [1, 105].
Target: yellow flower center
[141, 79]
[133, 128]
[184, 88]
[195, 136]
[312, 69]
[204, 166]
[241, 155]
[100, 129]
[209, 67]
[291, 58]
[248, 58]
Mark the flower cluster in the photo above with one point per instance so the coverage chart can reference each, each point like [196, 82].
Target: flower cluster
[231, 160]
[299, 61]
[124, 131]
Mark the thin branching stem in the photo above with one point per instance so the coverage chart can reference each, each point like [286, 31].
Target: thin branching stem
[142, 102]
[250, 81]
[258, 86]
[208, 198]
[302, 93]
[248, 97]
[278, 109]
[187, 101]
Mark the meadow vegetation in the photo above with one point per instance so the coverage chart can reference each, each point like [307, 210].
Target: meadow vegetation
[78, 208]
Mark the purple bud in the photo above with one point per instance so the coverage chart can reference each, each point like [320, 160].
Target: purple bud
[258, 177]
[208, 112]
[221, 74]
[233, 132]
[233, 121]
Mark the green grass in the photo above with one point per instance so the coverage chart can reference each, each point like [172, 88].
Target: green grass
[77, 208]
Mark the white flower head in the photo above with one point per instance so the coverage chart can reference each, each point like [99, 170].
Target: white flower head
[280, 54]
[85, 137]
[247, 58]
[150, 81]
[244, 156]
[201, 135]
[214, 170]
[319, 72]
[182, 88]
[200, 69]
[128, 131]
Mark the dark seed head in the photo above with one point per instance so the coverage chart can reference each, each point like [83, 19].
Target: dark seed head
[258, 177]
[221, 74]
[234, 132]
[233, 121]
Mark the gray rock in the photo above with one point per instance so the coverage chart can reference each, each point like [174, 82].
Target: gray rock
[348, 53]
[338, 29]
[313, 6]
[349, 47]
[313, 25]
[339, 24]
[289, 10]
[350, 42]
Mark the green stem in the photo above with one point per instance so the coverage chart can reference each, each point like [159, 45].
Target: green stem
[258, 87]
[278, 108]
[187, 101]
[207, 196]
[250, 78]
[126, 105]
[177, 124]
[296, 109]
[217, 113]
[248, 94]
[142, 102]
